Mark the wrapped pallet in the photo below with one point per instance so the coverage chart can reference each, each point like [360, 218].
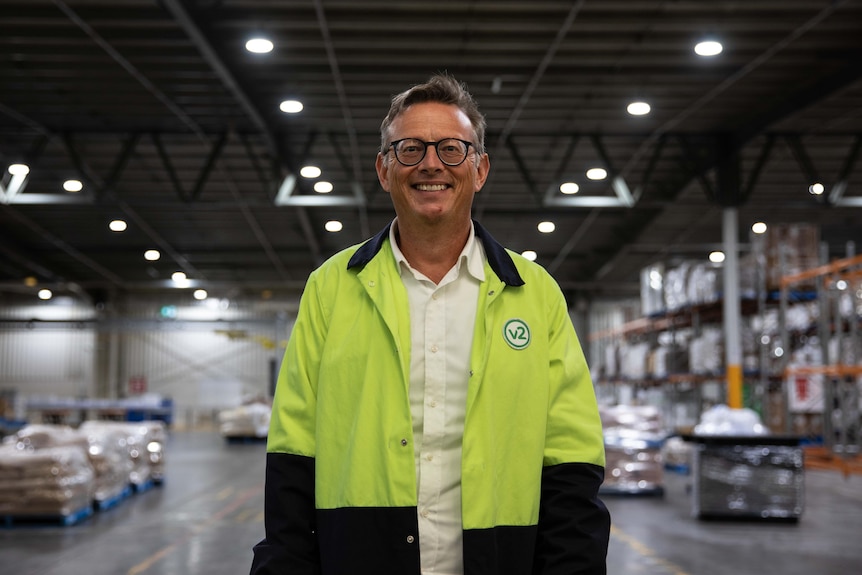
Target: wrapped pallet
[135, 441]
[245, 421]
[50, 481]
[633, 440]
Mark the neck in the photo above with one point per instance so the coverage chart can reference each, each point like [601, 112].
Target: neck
[432, 251]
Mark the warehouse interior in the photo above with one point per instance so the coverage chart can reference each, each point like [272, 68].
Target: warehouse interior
[172, 171]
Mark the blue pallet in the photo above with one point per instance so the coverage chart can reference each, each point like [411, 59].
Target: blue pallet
[46, 519]
[110, 502]
[144, 486]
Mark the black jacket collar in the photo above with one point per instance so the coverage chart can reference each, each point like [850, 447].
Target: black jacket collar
[499, 260]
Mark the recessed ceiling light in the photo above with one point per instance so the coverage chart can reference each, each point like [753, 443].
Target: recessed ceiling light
[179, 276]
[322, 187]
[333, 226]
[569, 188]
[152, 255]
[638, 108]
[45, 294]
[310, 172]
[546, 227]
[19, 169]
[118, 226]
[708, 48]
[816, 189]
[716, 257]
[259, 45]
[597, 173]
[290, 106]
[530, 255]
[200, 294]
[73, 185]
[758, 228]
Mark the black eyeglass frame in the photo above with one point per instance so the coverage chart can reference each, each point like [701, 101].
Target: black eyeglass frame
[466, 143]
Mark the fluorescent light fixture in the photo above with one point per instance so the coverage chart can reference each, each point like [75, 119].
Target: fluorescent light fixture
[638, 108]
[708, 48]
[758, 228]
[530, 255]
[152, 255]
[19, 169]
[597, 173]
[716, 257]
[310, 172]
[45, 294]
[333, 226]
[569, 188]
[322, 187]
[290, 106]
[73, 185]
[816, 189]
[546, 227]
[200, 294]
[118, 226]
[259, 46]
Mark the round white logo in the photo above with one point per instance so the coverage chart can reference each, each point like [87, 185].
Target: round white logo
[516, 332]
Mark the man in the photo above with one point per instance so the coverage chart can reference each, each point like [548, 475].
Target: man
[434, 412]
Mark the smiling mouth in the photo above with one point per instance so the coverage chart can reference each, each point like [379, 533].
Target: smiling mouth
[431, 187]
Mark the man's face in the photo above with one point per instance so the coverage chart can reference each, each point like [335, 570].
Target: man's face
[432, 192]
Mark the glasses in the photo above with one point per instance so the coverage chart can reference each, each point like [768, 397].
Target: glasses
[411, 151]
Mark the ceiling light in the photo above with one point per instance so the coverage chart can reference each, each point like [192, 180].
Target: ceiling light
[758, 228]
[73, 185]
[118, 226]
[816, 189]
[291, 106]
[333, 226]
[638, 108]
[716, 257]
[530, 255]
[30, 281]
[597, 173]
[322, 187]
[259, 46]
[200, 294]
[45, 294]
[152, 255]
[569, 188]
[546, 227]
[178, 277]
[310, 172]
[708, 48]
[19, 169]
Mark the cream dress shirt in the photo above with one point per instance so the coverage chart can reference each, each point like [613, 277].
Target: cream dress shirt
[442, 317]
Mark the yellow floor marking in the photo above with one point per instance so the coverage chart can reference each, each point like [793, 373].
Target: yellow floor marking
[240, 499]
[643, 549]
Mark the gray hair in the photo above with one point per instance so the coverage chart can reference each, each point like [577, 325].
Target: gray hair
[443, 89]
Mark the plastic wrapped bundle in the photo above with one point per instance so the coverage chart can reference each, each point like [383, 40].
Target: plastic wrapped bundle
[245, 421]
[47, 481]
[109, 456]
[132, 439]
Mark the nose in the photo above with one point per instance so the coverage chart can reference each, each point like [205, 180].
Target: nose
[431, 159]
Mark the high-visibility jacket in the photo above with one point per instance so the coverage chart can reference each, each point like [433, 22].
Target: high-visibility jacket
[341, 493]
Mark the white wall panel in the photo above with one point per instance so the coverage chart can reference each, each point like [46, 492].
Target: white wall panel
[47, 362]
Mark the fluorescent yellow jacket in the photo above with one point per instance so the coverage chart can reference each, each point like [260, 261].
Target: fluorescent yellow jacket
[532, 449]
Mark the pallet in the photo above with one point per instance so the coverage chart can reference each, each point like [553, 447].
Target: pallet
[45, 519]
[824, 458]
[244, 439]
[113, 501]
[143, 486]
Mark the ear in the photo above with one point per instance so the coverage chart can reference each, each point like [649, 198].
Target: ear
[382, 167]
[483, 168]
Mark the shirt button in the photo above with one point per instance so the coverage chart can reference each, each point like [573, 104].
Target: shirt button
[429, 457]
[410, 539]
[425, 513]
[434, 349]
[435, 296]
[433, 403]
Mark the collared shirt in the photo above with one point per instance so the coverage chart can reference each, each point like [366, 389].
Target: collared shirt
[442, 317]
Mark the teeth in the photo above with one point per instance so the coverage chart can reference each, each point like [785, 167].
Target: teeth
[431, 187]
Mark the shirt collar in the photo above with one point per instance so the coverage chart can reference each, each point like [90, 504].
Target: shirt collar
[472, 253]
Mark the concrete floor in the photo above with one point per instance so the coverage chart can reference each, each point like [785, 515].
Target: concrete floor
[207, 515]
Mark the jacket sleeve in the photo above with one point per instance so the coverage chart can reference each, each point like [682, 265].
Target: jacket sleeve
[290, 544]
[574, 525]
